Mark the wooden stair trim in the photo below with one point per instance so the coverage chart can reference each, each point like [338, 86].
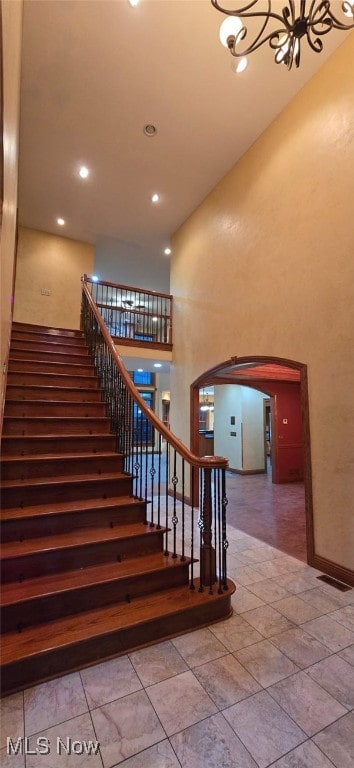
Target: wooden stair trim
[80, 537]
[62, 480]
[69, 507]
[69, 581]
[65, 632]
[60, 457]
[50, 329]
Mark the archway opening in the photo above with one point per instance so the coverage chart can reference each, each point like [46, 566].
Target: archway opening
[278, 483]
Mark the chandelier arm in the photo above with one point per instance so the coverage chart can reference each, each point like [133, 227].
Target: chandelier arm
[336, 23]
[242, 13]
[316, 44]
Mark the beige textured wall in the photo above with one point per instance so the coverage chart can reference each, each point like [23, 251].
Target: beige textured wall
[53, 263]
[265, 266]
[11, 60]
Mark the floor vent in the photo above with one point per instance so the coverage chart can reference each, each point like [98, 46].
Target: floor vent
[334, 583]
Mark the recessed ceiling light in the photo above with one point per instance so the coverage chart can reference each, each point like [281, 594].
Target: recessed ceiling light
[140, 370]
[150, 129]
[155, 198]
[94, 278]
[133, 3]
[84, 172]
[157, 365]
[60, 221]
[167, 251]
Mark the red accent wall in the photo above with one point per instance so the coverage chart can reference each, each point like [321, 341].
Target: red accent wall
[287, 438]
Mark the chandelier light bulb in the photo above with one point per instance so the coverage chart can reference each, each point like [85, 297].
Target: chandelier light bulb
[242, 64]
[155, 198]
[229, 30]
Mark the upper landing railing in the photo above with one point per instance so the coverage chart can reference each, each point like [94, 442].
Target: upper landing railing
[134, 316]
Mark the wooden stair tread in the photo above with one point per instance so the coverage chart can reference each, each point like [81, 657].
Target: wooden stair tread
[63, 457]
[68, 631]
[63, 479]
[43, 403]
[65, 581]
[77, 538]
[55, 438]
[62, 507]
[46, 387]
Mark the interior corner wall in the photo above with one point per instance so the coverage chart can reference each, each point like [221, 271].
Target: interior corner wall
[265, 266]
[11, 23]
[55, 264]
[241, 442]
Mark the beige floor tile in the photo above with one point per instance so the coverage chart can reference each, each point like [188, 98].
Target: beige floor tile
[300, 647]
[109, 681]
[337, 741]
[345, 616]
[180, 701]
[296, 610]
[226, 681]
[160, 755]
[266, 663]
[199, 647]
[235, 633]
[267, 621]
[67, 744]
[307, 755]
[300, 581]
[336, 676]
[211, 744]
[268, 591]
[272, 569]
[243, 600]
[11, 714]
[54, 702]
[348, 654]
[329, 632]
[306, 702]
[157, 662]
[322, 600]
[10, 760]
[245, 575]
[126, 727]
[264, 728]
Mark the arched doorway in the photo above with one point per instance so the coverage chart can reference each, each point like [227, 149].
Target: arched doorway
[276, 377]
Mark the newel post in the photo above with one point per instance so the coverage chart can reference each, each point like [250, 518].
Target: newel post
[207, 552]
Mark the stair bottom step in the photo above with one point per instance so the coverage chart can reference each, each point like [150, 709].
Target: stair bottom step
[48, 650]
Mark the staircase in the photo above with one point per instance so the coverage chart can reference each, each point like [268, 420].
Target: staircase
[84, 575]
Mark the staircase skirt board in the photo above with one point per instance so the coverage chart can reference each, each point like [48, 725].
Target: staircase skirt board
[85, 575]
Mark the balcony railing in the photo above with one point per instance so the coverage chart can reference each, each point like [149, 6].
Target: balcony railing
[134, 316]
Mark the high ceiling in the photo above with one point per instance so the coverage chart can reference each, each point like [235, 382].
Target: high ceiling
[95, 72]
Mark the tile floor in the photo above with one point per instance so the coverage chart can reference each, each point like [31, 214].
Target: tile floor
[271, 686]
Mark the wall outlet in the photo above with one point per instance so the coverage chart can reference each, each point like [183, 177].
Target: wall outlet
[46, 291]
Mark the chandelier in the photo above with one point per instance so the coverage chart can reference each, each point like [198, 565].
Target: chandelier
[284, 31]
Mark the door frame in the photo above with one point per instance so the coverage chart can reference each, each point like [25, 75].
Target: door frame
[213, 376]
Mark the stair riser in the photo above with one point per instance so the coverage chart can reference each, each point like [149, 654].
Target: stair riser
[53, 561]
[112, 644]
[61, 426]
[45, 609]
[95, 465]
[70, 347]
[63, 394]
[71, 491]
[26, 446]
[32, 366]
[24, 337]
[50, 379]
[51, 356]
[52, 524]
[66, 333]
[46, 408]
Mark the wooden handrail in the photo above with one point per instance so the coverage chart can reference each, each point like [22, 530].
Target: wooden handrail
[206, 462]
[87, 279]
